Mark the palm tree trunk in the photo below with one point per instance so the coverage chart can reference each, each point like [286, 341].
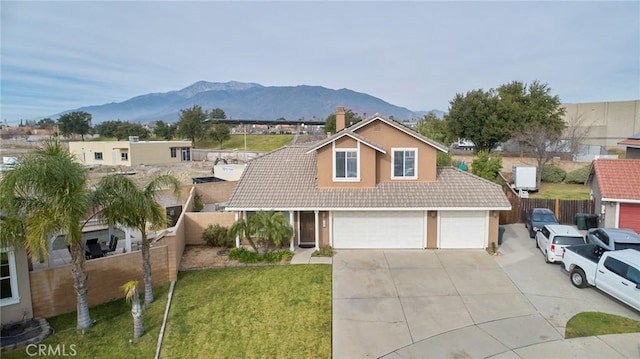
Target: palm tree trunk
[146, 268]
[136, 312]
[80, 284]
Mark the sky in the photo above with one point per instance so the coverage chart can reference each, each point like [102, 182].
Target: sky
[57, 56]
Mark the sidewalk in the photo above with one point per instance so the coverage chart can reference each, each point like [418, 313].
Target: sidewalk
[303, 256]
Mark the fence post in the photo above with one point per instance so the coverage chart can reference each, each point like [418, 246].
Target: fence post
[557, 211]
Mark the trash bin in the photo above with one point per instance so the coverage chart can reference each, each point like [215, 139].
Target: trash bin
[581, 220]
[500, 234]
[591, 221]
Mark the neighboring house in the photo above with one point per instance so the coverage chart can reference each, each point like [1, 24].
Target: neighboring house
[372, 185]
[131, 153]
[633, 146]
[15, 289]
[615, 188]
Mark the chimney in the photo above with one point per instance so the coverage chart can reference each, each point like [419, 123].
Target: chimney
[340, 119]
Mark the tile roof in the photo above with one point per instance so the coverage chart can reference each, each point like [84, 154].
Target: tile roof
[630, 142]
[285, 179]
[617, 179]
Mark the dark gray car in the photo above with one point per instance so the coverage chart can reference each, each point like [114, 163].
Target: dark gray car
[614, 238]
[538, 218]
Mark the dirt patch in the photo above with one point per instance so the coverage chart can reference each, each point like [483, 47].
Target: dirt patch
[199, 257]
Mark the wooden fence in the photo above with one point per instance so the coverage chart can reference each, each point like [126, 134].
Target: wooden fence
[564, 209]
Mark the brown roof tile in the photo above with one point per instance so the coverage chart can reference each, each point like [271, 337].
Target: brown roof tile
[286, 179]
[618, 178]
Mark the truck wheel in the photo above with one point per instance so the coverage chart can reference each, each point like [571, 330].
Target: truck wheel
[578, 278]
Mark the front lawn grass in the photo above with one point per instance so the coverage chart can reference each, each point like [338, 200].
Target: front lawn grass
[251, 312]
[595, 323]
[254, 142]
[109, 336]
[562, 191]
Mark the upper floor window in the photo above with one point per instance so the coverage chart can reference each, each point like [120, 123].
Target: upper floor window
[405, 163]
[8, 279]
[346, 164]
[97, 156]
[174, 152]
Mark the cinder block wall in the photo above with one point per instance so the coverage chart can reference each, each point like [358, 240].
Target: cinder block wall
[52, 290]
[195, 223]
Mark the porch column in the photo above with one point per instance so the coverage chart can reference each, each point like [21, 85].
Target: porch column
[317, 227]
[293, 234]
[127, 236]
[237, 235]
[298, 225]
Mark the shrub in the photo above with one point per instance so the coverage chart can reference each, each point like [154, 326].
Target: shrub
[217, 236]
[277, 256]
[444, 159]
[323, 252]
[552, 174]
[578, 176]
[197, 203]
[244, 255]
[486, 166]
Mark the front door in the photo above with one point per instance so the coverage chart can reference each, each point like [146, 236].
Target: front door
[307, 229]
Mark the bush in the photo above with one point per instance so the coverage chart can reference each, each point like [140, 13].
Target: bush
[217, 236]
[487, 166]
[323, 252]
[197, 203]
[244, 255]
[444, 159]
[578, 176]
[552, 174]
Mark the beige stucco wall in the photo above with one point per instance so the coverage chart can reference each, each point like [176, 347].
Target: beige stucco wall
[155, 152]
[608, 122]
[196, 223]
[215, 192]
[52, 288]
[367, 165]
[389, 138]
[147, 152]
[324, 224]
[494, 222]
[23, 309]
[432, 229]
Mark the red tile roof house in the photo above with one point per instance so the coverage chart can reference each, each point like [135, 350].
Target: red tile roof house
[372, 185]
[633, 146]
[615, 188]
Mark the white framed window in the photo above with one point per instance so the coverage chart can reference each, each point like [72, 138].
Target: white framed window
[404, 163]
[97, 156]
[346, 164]
[124, 156]
[8, 278]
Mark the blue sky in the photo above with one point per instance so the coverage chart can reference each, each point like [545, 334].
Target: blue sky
[57, 56]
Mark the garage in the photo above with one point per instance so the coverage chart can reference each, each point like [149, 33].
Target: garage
[462, 229]
[379, 229]
[629, 216]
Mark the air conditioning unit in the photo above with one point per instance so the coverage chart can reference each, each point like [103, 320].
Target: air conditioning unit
[133, 139]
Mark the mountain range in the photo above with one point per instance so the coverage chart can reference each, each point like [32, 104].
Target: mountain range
[253, 101]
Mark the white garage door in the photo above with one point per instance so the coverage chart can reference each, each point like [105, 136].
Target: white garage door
[463, 229]
[378, 229]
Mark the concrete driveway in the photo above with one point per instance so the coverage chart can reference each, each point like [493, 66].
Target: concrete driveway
[464, 304]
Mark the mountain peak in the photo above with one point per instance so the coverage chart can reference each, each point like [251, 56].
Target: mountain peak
[203, 86]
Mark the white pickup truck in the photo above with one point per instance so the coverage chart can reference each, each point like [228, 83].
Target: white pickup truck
[616, 273]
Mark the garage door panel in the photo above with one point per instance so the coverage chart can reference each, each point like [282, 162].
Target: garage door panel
[629, 216]
[463, 229]
[378, 229]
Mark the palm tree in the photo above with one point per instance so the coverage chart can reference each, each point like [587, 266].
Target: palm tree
[124, 202]
[130, 290]
[45, 194]
[265, 228]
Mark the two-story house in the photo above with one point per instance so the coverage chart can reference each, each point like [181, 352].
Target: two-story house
[372, 185]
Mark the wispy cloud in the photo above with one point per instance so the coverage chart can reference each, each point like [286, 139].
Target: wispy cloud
[62, 55]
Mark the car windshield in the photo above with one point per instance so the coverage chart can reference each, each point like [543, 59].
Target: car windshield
[544, 217]
[568, 241]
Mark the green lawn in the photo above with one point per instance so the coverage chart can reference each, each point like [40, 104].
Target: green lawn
[562, 191]
[109, 337]
[595, 323]
[251, 312]
[254, 142]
